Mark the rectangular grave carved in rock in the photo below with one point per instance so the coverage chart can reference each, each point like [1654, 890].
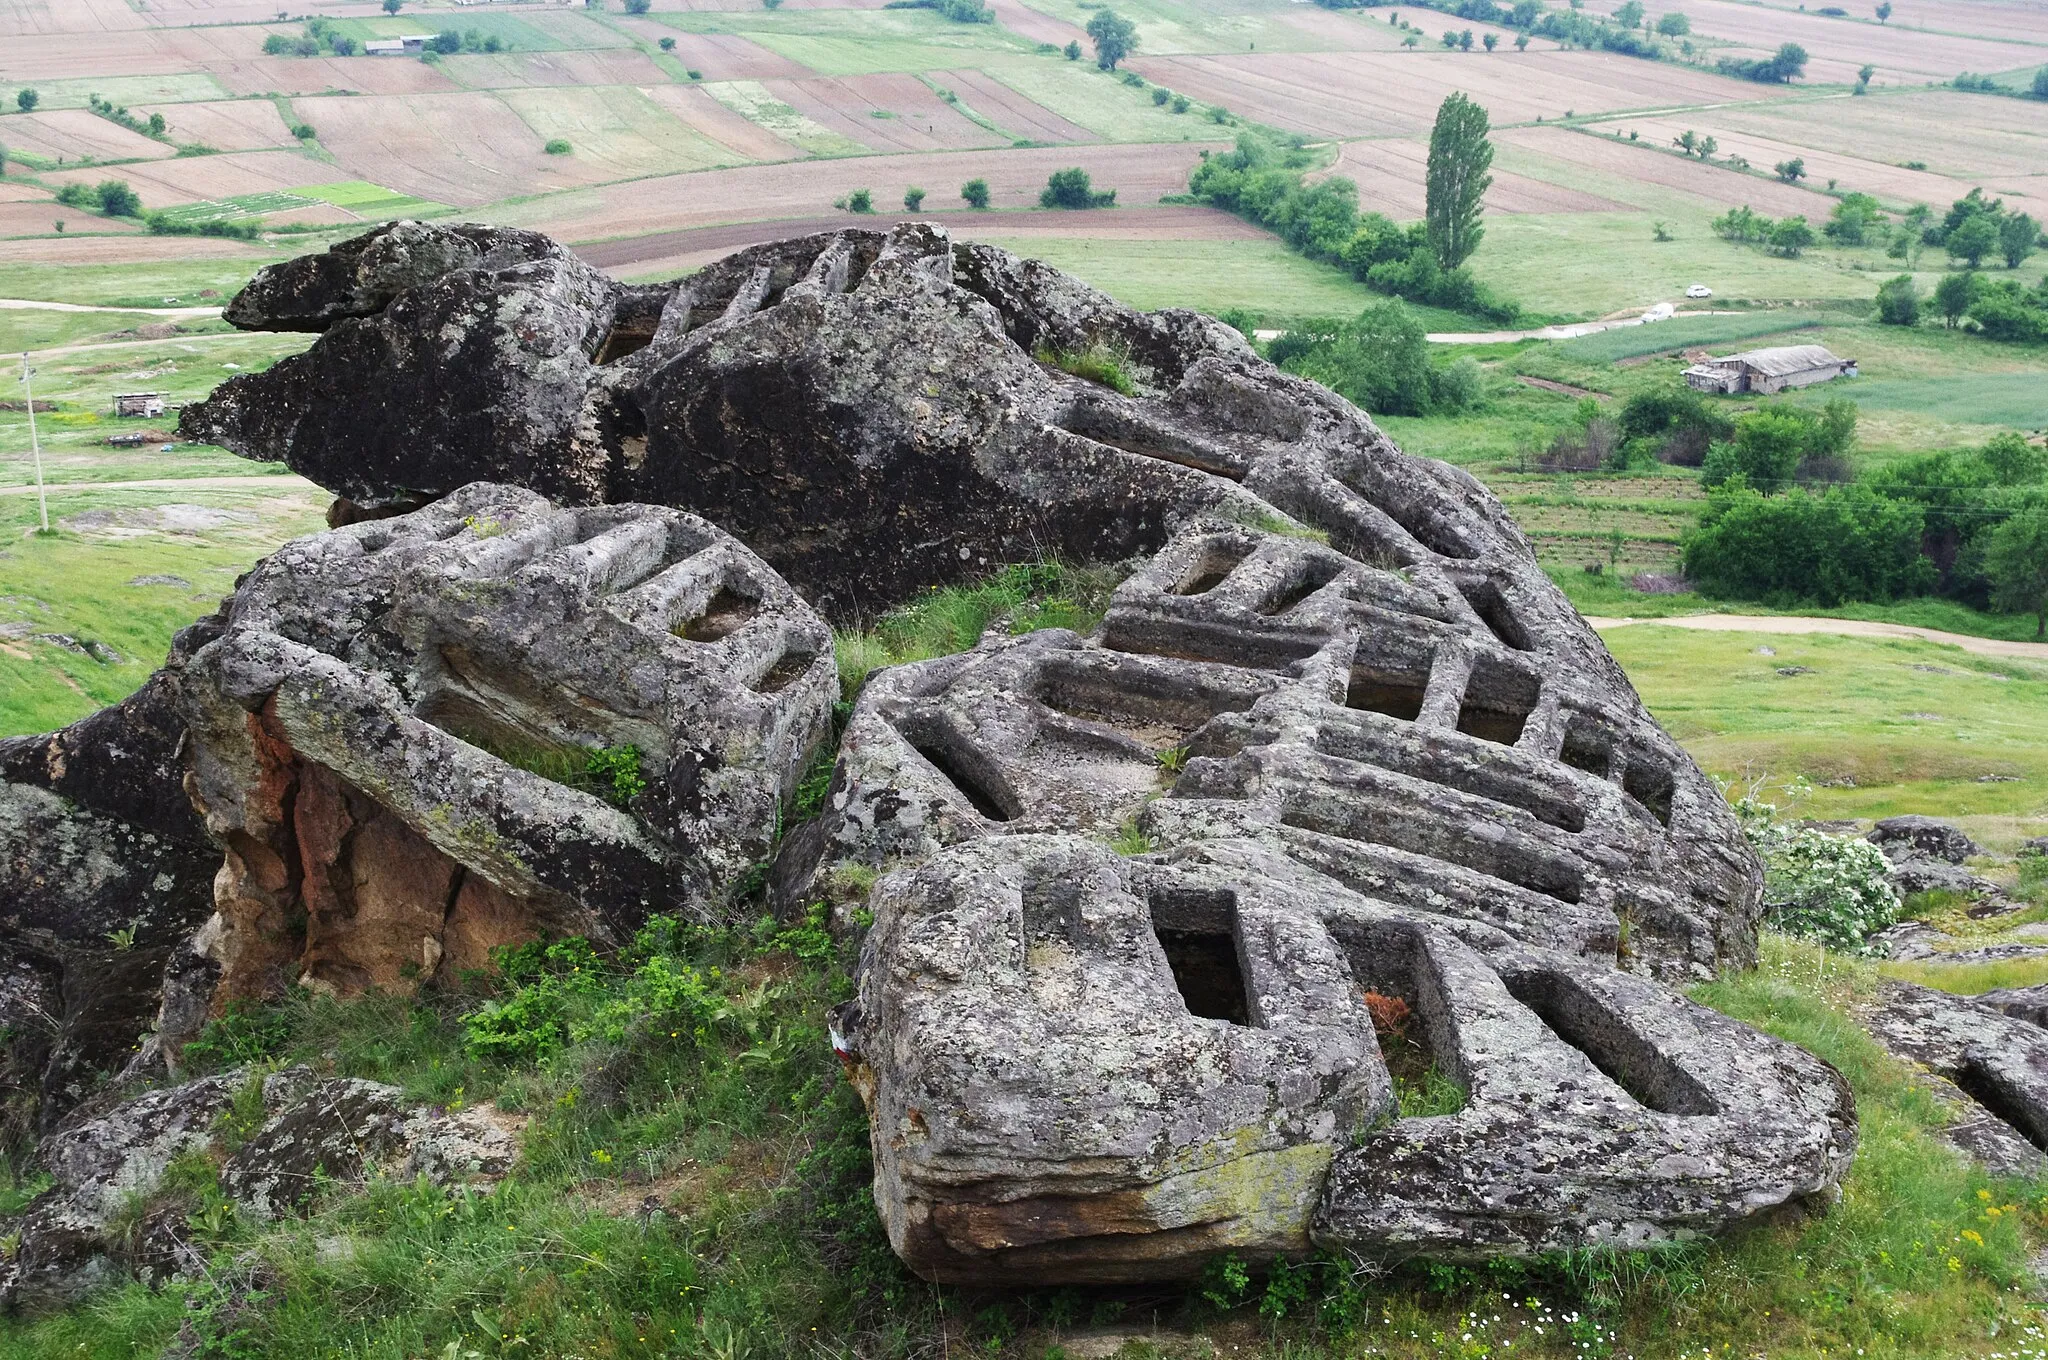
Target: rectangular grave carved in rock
[1198, 933]
[1313, 575]
[1588, 747]
[788, 668]
[1650, 784]
[1497, 703]
[1492, 608]
[963, 769]
[1401, 992]
[1630, 1061]
[1154, 707]
[1981, 1084]
[722, 616]
[1212, 566]
[1397, 696]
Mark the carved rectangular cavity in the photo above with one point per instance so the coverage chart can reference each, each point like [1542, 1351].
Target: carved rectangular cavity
[1497, 702]
[1589, 747]
[1632, 1062]
[1198, 933]
[722, 615]
[1400, 988]
[472, 723]
[628, 338]
[787, 670]
[1212, 566]
[1153, 707]
[1397, 696]
[1650, 784]
[1492, 608]
[1492, 779]
[1983, 1084]
[1309, 577]
[1190, 639]
[966, 769]
[1469, 842]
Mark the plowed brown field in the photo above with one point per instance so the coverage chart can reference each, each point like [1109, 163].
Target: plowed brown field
[921, 122]
[526, 70]
[694, 106]
[226, 125]
[1371, 94]
[1838, 46]
[318, 75]
[1009, 110]
[75, 134]
[1712, 183]
[1389, 175]
[165, 183]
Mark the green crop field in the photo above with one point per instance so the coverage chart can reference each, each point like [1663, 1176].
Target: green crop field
[751, 100]
[859, 42]
[1103, 104]
[1684, 332]
[242, 205]
[616, 126]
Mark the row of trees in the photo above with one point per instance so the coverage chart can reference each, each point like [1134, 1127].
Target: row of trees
[1423, 262]
[2001, 309]
[1968, 526]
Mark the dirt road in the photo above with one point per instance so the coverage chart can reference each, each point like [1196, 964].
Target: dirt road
[1782, 623]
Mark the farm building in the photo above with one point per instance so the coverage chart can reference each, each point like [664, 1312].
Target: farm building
[395, 47]
[1765, 371]
[143, 404]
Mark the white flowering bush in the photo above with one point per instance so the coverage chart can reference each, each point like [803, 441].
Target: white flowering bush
[1833, 890]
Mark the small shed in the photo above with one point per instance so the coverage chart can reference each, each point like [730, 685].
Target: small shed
[1764, 371]
[384, 47]
[144, 405]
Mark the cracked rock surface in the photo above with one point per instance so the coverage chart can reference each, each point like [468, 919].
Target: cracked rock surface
[390, 736]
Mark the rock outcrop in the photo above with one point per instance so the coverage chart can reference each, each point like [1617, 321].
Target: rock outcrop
[1085, 1067]
[1388, 812]
[392, 735]
[104, 870]
[277, 1139]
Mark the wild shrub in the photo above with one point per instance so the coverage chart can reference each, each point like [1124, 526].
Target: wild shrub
[1378, 360]
[1071, 189]
[1845, 543]
[1833, 890]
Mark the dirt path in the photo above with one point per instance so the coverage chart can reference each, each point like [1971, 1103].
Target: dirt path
[33, 305]
[1781, 623]
[252, 482]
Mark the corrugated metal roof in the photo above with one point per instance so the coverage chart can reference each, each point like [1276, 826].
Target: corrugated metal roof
[1786, 359]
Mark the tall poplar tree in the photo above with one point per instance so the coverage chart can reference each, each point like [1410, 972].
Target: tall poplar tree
[1459, 158]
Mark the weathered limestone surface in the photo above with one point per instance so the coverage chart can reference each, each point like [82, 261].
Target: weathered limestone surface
[1086, 1067]
[356, 723]
[1340, 711]
[70, 1239]
[1359, 749]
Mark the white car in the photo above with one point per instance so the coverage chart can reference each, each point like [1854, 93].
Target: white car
[1699, 290]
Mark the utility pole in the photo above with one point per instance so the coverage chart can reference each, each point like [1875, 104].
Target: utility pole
[28, 386]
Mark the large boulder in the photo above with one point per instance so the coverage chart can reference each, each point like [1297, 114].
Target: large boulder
[394, 736]
[1914, 835]
[1246, 683]
[1083, 1067]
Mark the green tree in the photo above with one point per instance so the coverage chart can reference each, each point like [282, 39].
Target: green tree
[1629, 14]
[1491, 41]
[975, 192]
[1674, 25]
[2041, 83]
[1114, 36]
[1863, 75]
[639, 6]
[1465, 41]
[1883, 11]
[2016, 560]
[1790, 236]
[1791, 171]
[1953, 296]
[1070, 189]
[27, 100]
[666, 44]
[1521, 42]
[393, 6]
[1977, 237]
[2017, 235]
[1072, 51]
[860, 201]
[1378, 361]
[1769, 445]
[157, 124]
[913, 199]
[557, 146]
[2013, 461]
[1460, 155]
[1898, 301]
[116, 199]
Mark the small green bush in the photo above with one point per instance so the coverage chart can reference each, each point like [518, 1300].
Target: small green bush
[1102, 362]
[557, 146]
[1071, 189]
[1833, 890]
[860, 201]
[975, 192]
[913, 199]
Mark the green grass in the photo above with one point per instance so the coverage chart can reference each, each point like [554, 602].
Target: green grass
[133, 285]
[1880, 727]
[370, 200]
[1020, 599]
[836, 42]
[1103, 104]
[1166, 27]
[241, 205]
[79, 584]
[752, 100]
[1708, 332]
[182, 87]
[619, 128]
[1260, 276]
